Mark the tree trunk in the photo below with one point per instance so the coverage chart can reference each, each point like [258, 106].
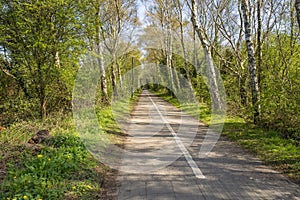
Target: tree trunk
[41, 91]
[251, 61]
[195, 62]
[259, 42]
[113, 79]
[179, 9]
[105, 98]
[42, 99]
[186, 65]
[43, 109]
[242, 90]
[57, 60]
[169, 58]
[118, 70]
[213, 84]
[297, 5]
[103, 83]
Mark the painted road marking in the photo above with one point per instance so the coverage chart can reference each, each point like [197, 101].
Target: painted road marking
[187, 155]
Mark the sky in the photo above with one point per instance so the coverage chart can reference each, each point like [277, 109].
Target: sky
[141, 11]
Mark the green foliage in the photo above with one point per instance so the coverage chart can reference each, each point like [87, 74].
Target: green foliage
[201, 111]
[17, 109]
[40, 44]
[269, 146]
[280, 85]
[120, 110]
[59, 168]
[52, 172]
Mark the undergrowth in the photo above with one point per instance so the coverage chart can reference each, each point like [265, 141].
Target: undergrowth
[58, 168]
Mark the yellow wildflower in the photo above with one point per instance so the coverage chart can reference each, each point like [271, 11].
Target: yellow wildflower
[25, 197]
[40, 156]
[89, 187]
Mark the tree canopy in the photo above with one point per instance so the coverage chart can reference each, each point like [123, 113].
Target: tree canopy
[253, 44]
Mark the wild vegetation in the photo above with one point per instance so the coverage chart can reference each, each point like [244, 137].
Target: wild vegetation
[252, 47]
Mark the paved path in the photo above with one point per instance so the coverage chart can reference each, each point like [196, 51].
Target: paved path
[228, 171]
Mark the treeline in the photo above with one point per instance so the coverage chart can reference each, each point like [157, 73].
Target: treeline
[253, 43]
[43, 43]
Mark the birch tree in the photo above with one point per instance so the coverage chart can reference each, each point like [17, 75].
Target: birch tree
[162, 13]
[166, 14]
[179, 7]
[99, 50]
[228, 21]
[251, 60]
[118, 16]
[212, 76]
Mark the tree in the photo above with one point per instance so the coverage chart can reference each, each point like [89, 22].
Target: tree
[117, 17]
[179, 8]
[162, 13]
[297, 6]
[212, 76]
[251, 60]
[98, 44]
[258, 38]
[40, 40]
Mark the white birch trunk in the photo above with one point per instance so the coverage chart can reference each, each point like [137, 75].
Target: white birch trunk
[213, 84]
[251, 60]
[169, 57]
[105, 97]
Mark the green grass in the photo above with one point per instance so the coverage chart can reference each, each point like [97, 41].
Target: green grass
[59, 168]
[276, 151]
[200, 111]
[52, 172]
[269, 146]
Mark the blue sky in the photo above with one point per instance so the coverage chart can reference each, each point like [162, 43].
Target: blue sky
[141, 11]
